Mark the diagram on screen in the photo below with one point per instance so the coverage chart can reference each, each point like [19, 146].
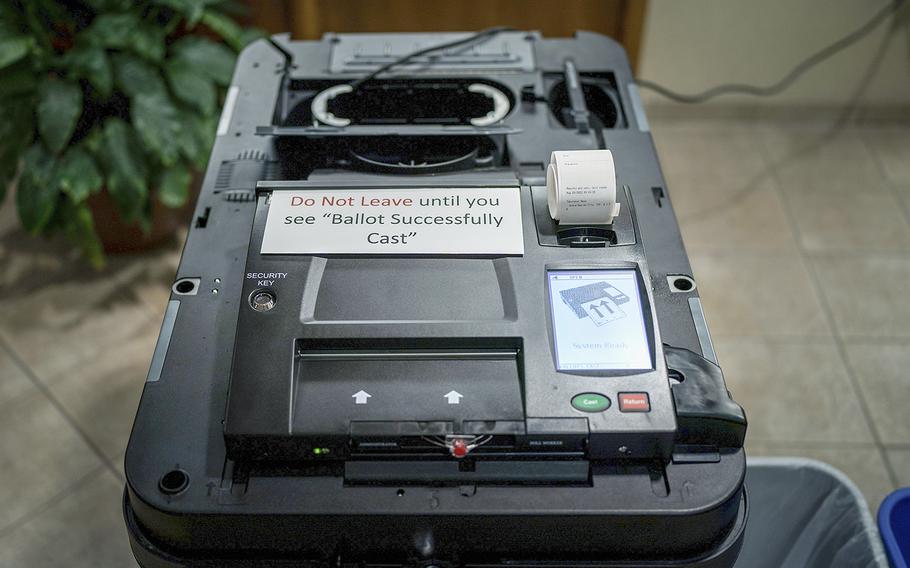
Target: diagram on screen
[598, 301]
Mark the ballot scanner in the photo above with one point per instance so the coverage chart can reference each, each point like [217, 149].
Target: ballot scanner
[436, 315]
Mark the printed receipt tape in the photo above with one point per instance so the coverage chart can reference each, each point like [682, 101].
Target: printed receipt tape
[581, 187]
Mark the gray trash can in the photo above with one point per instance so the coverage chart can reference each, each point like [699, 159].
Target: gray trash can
[806, 514]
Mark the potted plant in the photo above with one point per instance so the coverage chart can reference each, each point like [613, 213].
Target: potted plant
[109, 100]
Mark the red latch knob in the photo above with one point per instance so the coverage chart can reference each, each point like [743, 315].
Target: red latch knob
[459, 448]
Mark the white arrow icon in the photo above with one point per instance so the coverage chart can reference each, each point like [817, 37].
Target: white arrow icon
[454, 397]
[360, 397]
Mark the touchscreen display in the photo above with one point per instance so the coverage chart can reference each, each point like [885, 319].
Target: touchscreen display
[597, 320]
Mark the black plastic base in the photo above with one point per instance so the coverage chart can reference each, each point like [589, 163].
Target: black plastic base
[150, 555]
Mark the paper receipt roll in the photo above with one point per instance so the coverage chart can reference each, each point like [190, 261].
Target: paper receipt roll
[581, 187]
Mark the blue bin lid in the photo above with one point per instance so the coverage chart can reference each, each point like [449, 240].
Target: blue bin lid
[894, 525]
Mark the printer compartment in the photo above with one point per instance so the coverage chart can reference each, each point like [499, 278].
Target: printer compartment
[550, 234]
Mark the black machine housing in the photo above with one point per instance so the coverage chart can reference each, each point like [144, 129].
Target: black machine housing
[407, 410]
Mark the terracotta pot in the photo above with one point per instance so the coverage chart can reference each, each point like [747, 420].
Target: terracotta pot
[118, 236]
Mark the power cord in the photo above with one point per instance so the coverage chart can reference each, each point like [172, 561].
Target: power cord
[788, 79]
[483, 34]
[727, 89]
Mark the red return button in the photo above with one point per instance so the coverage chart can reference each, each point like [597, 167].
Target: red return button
[634, 402]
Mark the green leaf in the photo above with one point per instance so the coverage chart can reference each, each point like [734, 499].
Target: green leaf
[59, 107]
[79, 227]
[14, 48]
[225, 27]
[34, 25]
[126, 168]
[113, 30]
[10, 19]
[50, 11]
[17, 131]
[174, 185]
[109, 5]
[155, 118]
[191, 87]
[124, 163]
[36, 195]
[6, 179]
[133, 75]
[17, 79]
[92, 64]
[7, 173]
[93, 141]
[188, 139]
[77, 175]
[196, 137]
[148, 42]
[206, 132]
[191, 9]
[215, 60]
[249, 35]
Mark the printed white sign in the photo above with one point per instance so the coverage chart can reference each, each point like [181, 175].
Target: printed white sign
[483, 221]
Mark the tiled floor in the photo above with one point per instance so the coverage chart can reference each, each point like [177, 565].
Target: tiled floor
[74, 350]
[800, 242]
[799, 236]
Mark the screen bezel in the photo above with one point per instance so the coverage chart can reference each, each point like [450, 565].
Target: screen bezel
[646, 316]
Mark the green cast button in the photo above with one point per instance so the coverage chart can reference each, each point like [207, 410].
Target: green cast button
[590, 402]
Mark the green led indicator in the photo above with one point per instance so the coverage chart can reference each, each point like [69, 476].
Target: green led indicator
[319, 451]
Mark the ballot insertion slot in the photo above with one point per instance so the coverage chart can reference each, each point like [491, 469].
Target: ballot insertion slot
[409, 354]
[435, 398]
[420, 399]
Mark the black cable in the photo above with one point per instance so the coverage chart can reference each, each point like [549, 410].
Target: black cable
[788, 79]
[489, 32]
[798, 153]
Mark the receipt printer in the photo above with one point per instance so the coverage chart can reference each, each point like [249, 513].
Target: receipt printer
[435, 310]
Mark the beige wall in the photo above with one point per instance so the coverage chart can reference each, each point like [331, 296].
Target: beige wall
[695, 44]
